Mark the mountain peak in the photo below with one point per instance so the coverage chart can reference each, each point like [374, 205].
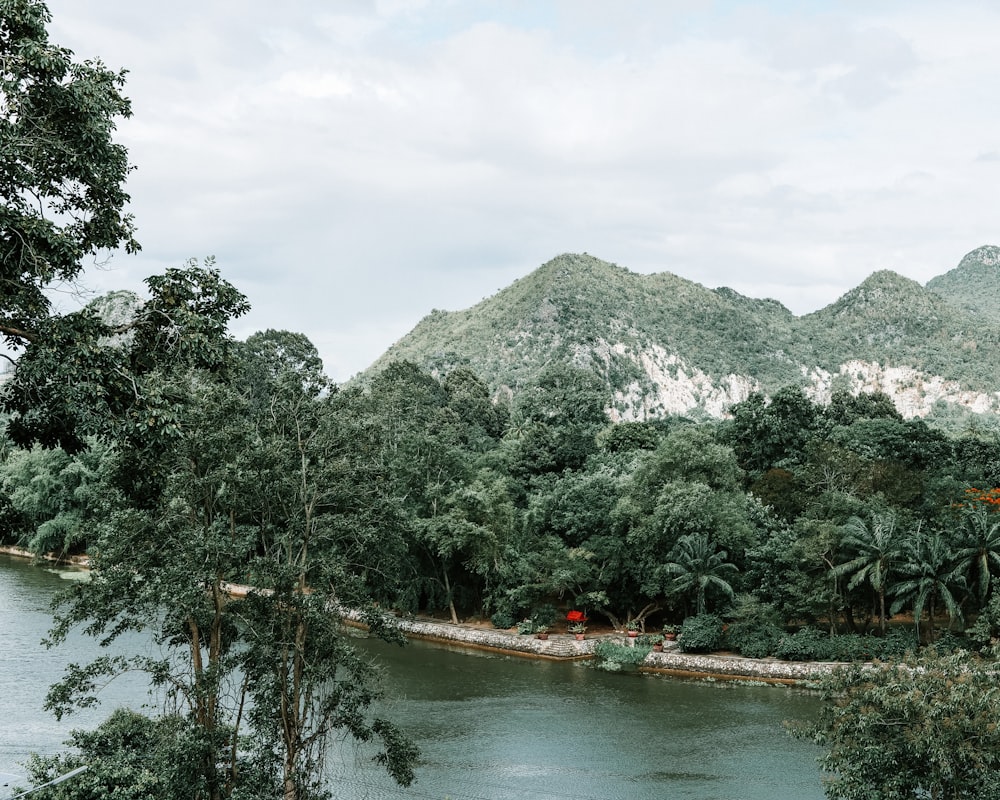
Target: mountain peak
[882, 290]
[987, 256]
[974, 285]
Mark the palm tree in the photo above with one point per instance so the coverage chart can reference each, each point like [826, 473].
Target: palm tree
[928, 572]
[876, 551]
[978, 558]
[697, 565]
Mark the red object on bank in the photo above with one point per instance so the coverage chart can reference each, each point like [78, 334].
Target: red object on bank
[576, 616]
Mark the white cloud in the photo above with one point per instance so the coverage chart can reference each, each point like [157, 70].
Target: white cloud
[354, 165]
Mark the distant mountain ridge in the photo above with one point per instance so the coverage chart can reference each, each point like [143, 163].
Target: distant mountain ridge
[667, 345]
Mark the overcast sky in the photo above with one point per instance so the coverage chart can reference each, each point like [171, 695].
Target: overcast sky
[354, 165]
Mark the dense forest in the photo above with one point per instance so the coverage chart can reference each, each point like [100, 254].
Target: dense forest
[786, 523]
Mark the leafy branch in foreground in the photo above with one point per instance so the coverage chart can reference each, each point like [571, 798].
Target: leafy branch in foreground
[921, 727]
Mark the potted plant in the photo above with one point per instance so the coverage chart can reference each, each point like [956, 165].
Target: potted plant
[579, 629]
[654, 640]
[632, 628]
[542, 631]
[670, 632]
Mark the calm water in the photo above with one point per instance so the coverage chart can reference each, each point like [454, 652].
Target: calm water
[489, 727]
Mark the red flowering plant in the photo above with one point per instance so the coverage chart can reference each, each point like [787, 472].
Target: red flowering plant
[983, 498]
[576, 620]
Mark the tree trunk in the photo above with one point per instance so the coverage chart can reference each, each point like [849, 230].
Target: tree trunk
[882, 622]
[451, 599]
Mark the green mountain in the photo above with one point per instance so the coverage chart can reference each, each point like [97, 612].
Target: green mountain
[974, 285]
[664, 344]
[895, 321]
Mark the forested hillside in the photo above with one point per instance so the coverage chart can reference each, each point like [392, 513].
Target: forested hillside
[974, 285]
[665, 345]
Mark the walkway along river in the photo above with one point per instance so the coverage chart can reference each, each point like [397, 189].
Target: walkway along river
[490, 726]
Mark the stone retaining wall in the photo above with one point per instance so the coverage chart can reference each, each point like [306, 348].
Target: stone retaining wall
[769, 670]
[564, 646]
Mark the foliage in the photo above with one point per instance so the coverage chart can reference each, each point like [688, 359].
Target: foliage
[701, 634]
[614, 653]
[977, 557]
[756, 629]
[81, 375]
[917, 728]
[985, 632]
[56, 497]
[876, 551]
[62, 176]
[502, 620]
[928, 573]
[697, 568]
[128, 756]
[278, 494]
[812, 644]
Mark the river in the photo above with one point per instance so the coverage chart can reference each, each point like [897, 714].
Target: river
[490, 727]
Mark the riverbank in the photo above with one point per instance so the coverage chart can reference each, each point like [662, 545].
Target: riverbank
[562, 647]
[567, 647]
[76, 561]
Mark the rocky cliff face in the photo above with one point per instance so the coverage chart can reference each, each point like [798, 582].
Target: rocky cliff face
[674, 387]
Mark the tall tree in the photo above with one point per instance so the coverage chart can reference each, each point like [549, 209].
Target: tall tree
[873, 553]
[927, 573]
[273, 497]
[324, 541]
[978, 553]
[62, 175]
[697, 566]
[62, 201]
[563, 411]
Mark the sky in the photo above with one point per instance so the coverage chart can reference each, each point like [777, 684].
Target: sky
[354, 164]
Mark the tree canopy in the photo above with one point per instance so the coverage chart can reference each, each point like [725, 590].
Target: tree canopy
[62, 175]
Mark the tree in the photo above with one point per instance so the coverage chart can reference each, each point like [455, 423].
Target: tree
[845, 408]
[978, 554]
[697, 567]
[563, 412]
[62, 180]
[874, 552]
[61, 175]
[259, 485]
[324, 541]
[161, 563]
[82, 374]
[152, 378]
[765, 435]
[920, 728]
[927, 573]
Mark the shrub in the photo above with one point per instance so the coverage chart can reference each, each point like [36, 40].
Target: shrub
[754, 638]
[896, 643]
[950, 642]
[502, 620]
[808, 644]
[544, 616]
[812, 644]
[615, 653]
[986, 629]
[701, 634]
